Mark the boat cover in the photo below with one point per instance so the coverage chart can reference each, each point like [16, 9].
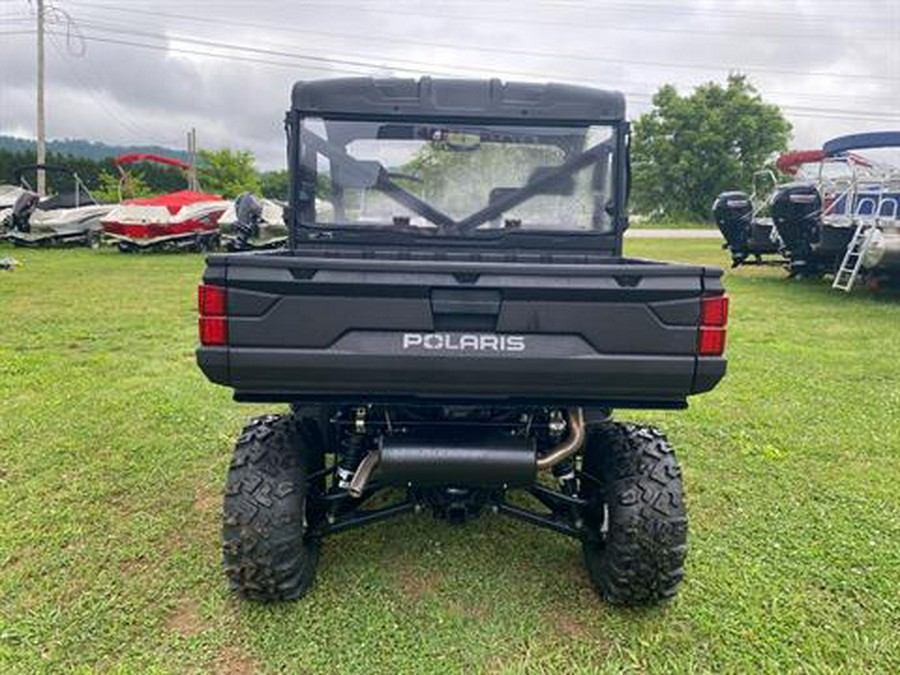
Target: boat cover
[175, 201]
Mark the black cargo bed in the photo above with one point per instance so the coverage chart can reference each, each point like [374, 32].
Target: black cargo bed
[344, 324]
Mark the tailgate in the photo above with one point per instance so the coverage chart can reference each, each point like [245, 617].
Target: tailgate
[622, 333]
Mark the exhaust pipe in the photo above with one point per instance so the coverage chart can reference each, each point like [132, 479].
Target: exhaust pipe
[466, 461]
[363, 473]
[569, 446]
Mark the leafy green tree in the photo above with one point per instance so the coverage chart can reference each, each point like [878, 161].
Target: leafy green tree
[688, 149]
[228, 172]
[109, 190]
[275, 184]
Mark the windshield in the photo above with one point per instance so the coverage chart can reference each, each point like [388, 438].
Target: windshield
[459, 179]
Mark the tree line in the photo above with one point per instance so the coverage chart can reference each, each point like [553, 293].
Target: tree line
[224, 172]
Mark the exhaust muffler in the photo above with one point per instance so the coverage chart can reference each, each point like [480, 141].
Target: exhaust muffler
[467, 460]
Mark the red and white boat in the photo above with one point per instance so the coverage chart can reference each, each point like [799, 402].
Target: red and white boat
[185, 220]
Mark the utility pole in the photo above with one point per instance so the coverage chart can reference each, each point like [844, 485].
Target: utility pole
[193, 183]
[41, 130]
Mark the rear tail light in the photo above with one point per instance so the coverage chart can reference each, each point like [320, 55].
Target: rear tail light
[213, 331]
[212, 304]
[713, 325]
[211, 300]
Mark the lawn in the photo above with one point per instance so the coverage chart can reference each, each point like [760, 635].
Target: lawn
[639, 223]
[113, 450]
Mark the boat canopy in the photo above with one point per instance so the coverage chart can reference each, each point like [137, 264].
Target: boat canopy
[875, 139]
[135, 157]
[78, 196]
[789, 163]
[48, 168]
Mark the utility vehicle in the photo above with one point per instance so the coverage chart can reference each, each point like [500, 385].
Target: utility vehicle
[452, 324]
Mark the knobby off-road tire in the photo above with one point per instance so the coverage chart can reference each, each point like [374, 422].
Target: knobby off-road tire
[267, 513]
[639, 560]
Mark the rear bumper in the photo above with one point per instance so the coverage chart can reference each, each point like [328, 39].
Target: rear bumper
[266, 374]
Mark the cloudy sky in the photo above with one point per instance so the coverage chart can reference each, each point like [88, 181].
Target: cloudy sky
[145, 72]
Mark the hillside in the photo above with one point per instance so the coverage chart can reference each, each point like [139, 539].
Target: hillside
[78, 147]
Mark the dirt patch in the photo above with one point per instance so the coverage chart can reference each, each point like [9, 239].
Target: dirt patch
[477, 612]
[415, 583]
[563, 623]
[233, 661]
[208, 502]
[566, 626]
[133, 565]
[570, 626]
[186, 620]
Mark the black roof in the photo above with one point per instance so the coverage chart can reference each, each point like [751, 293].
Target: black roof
[443, 100]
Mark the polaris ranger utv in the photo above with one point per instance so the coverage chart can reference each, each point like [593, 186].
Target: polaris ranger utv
[452, 323]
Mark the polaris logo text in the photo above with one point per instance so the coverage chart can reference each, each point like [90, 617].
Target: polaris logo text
[456, 342]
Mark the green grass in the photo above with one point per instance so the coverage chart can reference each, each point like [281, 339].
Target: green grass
[113, 450]
[639, 224]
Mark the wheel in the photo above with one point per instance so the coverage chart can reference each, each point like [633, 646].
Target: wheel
[94, 240]
[635, 514]
[268, 512]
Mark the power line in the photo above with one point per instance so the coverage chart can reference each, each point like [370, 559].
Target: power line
[227, 57]
[498, 50]
[421, 65]
[334, 65]
[249, 49]
[397, 65]
[97, 97]
[376, 6]
[426, 67]
[603, 25]
[838, 114]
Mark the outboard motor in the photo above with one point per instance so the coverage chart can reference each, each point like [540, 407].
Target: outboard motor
[797, 211]
[733, 212]
[25, 205]
[248, 211]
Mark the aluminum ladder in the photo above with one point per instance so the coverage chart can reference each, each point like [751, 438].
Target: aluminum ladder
[853, 258]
